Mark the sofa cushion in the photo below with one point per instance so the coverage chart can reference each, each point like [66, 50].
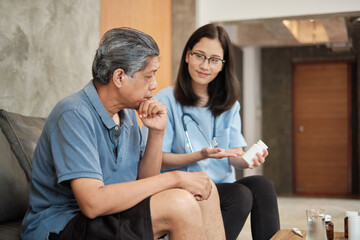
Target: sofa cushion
[23, 133]
[10, 231]
[14, 187]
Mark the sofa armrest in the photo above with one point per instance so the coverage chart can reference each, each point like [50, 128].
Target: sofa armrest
[18, 138]
[22, 133]
[14, 187]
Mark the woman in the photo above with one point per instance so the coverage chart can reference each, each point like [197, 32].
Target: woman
[203, 133]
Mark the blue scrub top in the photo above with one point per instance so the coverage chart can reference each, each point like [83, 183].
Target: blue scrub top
[79, 139]
[228, 135]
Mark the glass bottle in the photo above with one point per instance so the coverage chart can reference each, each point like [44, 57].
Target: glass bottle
[329, 225]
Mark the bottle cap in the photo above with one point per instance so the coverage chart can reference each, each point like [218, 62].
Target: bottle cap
[327, 218]
[351, 213]
[262, 144]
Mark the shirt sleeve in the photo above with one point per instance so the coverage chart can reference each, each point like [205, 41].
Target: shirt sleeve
[169, 133]
[74, 147]
[236, 137]
[167, 99]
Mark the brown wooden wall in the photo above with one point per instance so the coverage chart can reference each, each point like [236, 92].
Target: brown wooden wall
[150, 16]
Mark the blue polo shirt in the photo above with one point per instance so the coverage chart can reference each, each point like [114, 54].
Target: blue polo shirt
[79, 139]
[227, 133]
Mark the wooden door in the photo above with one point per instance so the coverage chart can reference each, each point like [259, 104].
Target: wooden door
[322, 129]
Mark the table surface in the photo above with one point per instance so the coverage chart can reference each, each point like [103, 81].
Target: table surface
[288, 234]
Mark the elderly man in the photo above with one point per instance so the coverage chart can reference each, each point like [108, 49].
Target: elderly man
[93, 175]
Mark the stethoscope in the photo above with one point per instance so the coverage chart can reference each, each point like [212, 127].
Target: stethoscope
[212, 144]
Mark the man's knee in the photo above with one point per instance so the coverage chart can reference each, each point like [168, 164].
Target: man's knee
[181, 202]
[176, 211]
[175, 205]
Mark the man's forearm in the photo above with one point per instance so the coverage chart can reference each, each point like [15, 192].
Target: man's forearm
[150, 164]
[96, 199]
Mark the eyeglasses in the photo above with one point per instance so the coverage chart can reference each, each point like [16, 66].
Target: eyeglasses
[200, 59]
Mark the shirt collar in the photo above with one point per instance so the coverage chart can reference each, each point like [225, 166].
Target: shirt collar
[93, 96]
[125, 117]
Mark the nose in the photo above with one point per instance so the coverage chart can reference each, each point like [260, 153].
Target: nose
[205, 64]
[153, 84]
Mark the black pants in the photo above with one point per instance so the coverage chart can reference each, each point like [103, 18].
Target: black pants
[255, 195]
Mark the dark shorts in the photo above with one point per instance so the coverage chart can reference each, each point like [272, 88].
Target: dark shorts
[132, 224]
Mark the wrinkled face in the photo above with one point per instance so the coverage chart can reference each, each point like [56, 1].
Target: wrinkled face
[139, 87]
[202, 71]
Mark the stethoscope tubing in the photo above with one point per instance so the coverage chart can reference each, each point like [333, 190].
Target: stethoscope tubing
[184, 114]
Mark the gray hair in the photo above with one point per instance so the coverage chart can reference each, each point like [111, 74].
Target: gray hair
[123, 48]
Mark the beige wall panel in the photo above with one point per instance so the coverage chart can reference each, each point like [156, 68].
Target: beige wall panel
[150, 16]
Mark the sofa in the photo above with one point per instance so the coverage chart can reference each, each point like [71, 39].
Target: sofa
[18, 138]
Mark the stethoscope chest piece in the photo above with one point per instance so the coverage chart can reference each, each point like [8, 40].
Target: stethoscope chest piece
[214, 143]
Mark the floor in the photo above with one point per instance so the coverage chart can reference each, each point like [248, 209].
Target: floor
[292, 212]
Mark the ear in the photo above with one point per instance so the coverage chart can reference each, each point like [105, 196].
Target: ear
[222, 67]
[118, 77]
[187, 56]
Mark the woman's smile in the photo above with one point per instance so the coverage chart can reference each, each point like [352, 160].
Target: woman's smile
[202, 74]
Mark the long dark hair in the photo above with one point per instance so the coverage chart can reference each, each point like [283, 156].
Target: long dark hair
[224, 90]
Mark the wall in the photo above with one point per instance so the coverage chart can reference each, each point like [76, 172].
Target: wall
[183, 25]
[46, 51]
[150, 16]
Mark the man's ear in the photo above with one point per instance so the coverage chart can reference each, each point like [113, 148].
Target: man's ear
[118, 77]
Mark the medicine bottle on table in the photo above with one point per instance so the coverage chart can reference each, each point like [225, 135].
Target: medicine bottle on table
[329, 225]
[251, 153]
[346, 221]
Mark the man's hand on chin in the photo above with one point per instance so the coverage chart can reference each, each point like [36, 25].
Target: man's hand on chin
[153, 114]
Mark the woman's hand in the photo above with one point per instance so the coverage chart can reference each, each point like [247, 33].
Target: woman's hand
[218, 153]
[240, 163]
[259, 159]
[237, 151]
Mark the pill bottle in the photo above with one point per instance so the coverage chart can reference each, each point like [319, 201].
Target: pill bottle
[346, 221]
[354, 228]
[251, 153]
[329, 225]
